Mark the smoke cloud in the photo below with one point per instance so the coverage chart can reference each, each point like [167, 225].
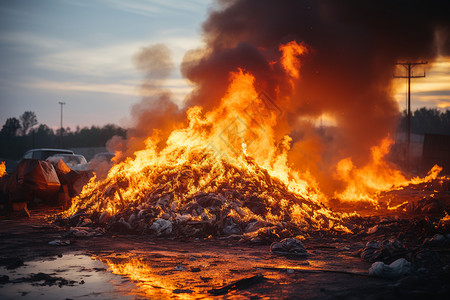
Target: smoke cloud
[157, 114]
[348, 74]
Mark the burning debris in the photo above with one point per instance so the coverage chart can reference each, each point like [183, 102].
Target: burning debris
[230, 203]
[221, 174]
[226, 173]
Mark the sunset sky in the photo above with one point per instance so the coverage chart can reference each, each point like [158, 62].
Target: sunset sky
[81, 53]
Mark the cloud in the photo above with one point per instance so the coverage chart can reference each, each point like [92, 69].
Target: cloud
[111, 60]
[33, 42]
[177, 86]
[108, 88]
[104, 61]
[153, 7]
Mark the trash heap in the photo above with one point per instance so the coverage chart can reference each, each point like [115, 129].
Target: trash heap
[198, 200]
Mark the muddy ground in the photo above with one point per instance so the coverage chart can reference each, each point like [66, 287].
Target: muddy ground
[139, 267]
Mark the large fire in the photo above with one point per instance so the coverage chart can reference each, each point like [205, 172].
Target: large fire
[228, 160]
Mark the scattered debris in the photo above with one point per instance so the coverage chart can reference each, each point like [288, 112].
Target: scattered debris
[4, 279]
[426, 260]
[180, 268]
[238, 285]
[13, 263]
[427, 206]
[438, 240]
[386, 251]
[84, 232]
[396, 269]
[372, 230]
[289, 247]
[59, 243]
[161, 227]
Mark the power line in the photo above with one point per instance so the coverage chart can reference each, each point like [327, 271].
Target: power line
[409, 66]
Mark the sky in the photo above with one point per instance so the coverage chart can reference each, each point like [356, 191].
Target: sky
[81, 53]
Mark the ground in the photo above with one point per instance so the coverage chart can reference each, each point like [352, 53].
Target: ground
[140, 267]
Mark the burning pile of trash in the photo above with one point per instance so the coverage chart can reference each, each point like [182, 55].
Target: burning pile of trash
[234, 201]
[222, 174]
[226, 172]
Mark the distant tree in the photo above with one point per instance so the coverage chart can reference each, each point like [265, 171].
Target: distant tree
[10, 128]
[43, 130]
[28, 120]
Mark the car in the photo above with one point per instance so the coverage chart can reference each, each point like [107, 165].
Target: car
[104, 156]
[75, 162]
[44, 153]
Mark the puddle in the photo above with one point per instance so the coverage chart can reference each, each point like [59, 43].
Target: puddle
[86, 278]
[160, 274]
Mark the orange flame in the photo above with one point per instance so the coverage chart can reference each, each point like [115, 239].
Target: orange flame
[363, 184]
[2, 169]
[289, 58]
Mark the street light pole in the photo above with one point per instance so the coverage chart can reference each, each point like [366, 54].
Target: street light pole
[61, 129]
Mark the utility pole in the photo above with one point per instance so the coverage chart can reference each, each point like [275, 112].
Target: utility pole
[409, 66]
[61, 129]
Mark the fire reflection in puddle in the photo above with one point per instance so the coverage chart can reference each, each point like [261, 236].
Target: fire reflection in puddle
[175, 276]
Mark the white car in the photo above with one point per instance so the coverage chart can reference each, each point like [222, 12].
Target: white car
[44, 153]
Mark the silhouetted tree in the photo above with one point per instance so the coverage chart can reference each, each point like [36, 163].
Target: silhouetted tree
[43, 130]
[428, 120]
[28, 120]
[10, 128]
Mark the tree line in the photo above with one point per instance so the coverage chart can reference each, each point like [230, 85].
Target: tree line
[427, 120]
[21, 134]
